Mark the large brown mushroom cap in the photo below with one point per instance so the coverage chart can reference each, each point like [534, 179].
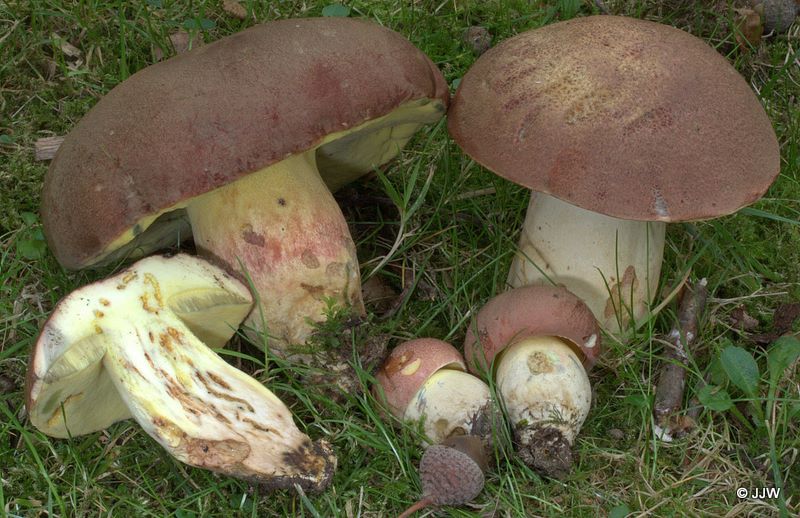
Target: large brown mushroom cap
[527, 312]
[210, 116]
[620, 116]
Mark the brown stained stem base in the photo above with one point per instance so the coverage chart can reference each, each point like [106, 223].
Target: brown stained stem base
[672, 378]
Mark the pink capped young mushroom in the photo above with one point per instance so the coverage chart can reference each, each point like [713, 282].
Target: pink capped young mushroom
[618, 126]
[426, 380]
[237, 144]
[539, 342]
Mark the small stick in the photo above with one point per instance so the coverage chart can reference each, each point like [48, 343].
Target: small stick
[672, 379]
[45, 148]
[419, 505]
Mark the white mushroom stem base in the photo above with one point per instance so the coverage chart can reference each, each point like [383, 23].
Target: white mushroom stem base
[282, 226]
[547, 395]
[612, 264]
[450, 403]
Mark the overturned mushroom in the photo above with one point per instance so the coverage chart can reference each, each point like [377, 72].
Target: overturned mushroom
[137, 345]
[618, 126]
[541, 341]
[426, 380]
[237, 143]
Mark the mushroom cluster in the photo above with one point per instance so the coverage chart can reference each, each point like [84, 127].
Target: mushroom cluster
[238, 144]
[536, 344]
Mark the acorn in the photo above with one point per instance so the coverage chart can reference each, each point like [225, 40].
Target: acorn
[451, 473]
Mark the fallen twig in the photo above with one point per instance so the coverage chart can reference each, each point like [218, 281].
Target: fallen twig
[672, 378]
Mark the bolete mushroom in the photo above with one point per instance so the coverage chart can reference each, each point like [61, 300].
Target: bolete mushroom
[538, 342]
[426, 380]
[137, 345]
[618, 126]
[237, 143]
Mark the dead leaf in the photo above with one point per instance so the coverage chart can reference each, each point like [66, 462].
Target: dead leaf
[235, 9]
[45, 148]
[782, 323]
[69, 50]
[181, 42]
[680, 425]
[740, 319]
[478, 39]
[748, 28]
[376, 292]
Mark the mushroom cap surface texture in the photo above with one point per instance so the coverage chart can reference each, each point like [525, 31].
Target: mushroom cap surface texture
[527, 312]
[625, 117]
[407, 368]
[205, 118]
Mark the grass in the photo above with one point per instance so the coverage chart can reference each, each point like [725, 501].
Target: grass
[457, 239]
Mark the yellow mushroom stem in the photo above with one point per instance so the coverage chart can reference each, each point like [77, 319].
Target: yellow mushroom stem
[204, 411]
[136, 345]
[284, 228]
[612, 264]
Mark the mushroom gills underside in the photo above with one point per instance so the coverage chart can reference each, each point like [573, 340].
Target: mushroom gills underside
[612, 264]
[452, 402]
[342, 156]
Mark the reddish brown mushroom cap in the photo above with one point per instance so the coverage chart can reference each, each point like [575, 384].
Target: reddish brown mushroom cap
[531, 311]
[620, 116]
[407, 368]
[205, 118]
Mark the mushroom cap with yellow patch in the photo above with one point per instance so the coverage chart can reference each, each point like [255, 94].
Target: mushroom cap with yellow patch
[625, 117]
[407, 368]
[207, 117]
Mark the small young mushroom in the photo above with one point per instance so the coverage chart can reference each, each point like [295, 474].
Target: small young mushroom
[426, 380]
[540, 340]
[137, 345]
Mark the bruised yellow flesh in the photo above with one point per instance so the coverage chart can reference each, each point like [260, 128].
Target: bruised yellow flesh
[128, 347]
[343, 157]
[283, 226]
[205, 412]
